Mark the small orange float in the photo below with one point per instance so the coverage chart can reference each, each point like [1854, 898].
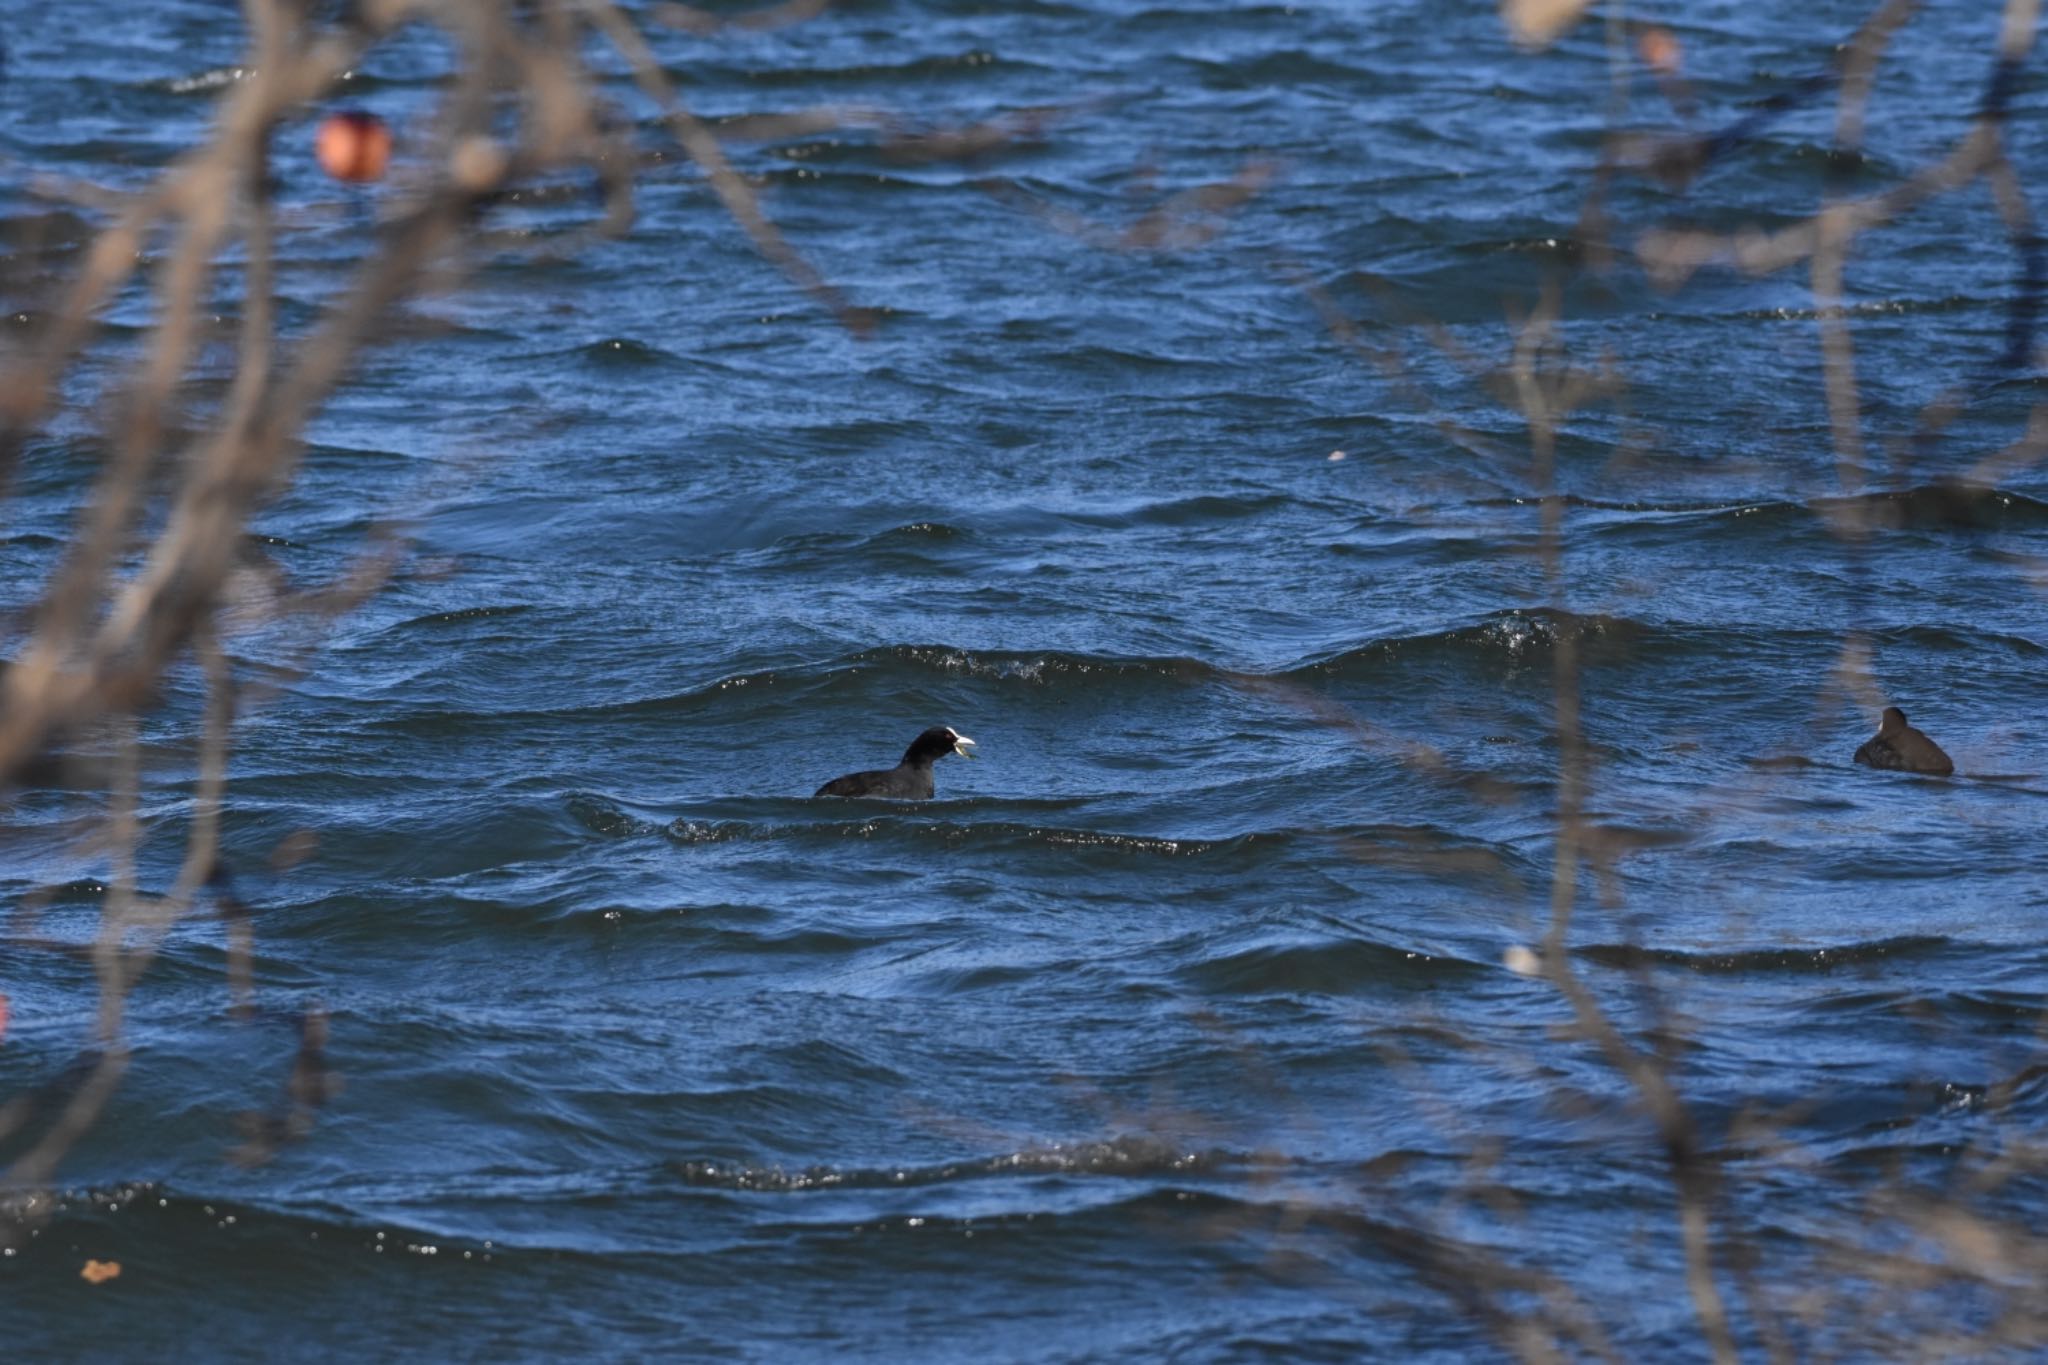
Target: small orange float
[353, 146]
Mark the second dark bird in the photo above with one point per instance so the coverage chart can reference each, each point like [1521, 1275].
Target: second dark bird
[1899, 746]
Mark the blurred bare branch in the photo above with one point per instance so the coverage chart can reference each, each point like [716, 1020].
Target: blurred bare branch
[159, 566]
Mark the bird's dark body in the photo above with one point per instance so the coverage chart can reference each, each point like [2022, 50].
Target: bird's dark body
[1901, 748]
[910, 780]
[900, 783]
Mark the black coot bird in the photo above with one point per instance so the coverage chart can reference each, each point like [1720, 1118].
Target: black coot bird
[910, 780]
[1898, 745]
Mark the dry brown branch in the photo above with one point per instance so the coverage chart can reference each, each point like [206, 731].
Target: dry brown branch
[158, 566]
[1543, 391]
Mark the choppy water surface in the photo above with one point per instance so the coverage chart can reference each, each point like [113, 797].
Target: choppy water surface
[1173, 1026]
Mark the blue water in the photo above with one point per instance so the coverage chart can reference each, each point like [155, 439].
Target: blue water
[1177, 1026]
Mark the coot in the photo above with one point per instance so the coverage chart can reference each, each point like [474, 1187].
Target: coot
[1898, 745]
[910, 780]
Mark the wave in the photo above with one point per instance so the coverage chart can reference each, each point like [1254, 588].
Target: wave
[783, 820]
[1129, 1156]
[207, 1227]
[920, 827]
[914, 546]
[602, 815]
[1827, 958]
[1326, 967]
[1046, 668]
[922, 530]
[912, 536]
[1938, 504]
[625, 351]
[1511, 638]
[917, 71]
[463, 616]
[1196, 510]
[1942, 505]
[1287, 69]
[1505, 636]
[1863, 308]
[1526, 634]
[1882, 1004]
[1509, 632]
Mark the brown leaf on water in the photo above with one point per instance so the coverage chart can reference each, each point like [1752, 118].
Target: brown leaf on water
[99, 1272]
[1537, 23]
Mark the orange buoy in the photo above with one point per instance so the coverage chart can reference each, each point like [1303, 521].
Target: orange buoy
[353, 146]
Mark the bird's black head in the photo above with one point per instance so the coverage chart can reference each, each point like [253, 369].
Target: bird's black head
[934, 744]
[1893, 721]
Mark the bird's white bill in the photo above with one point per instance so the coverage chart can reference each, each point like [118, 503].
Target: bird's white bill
[963, 746]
